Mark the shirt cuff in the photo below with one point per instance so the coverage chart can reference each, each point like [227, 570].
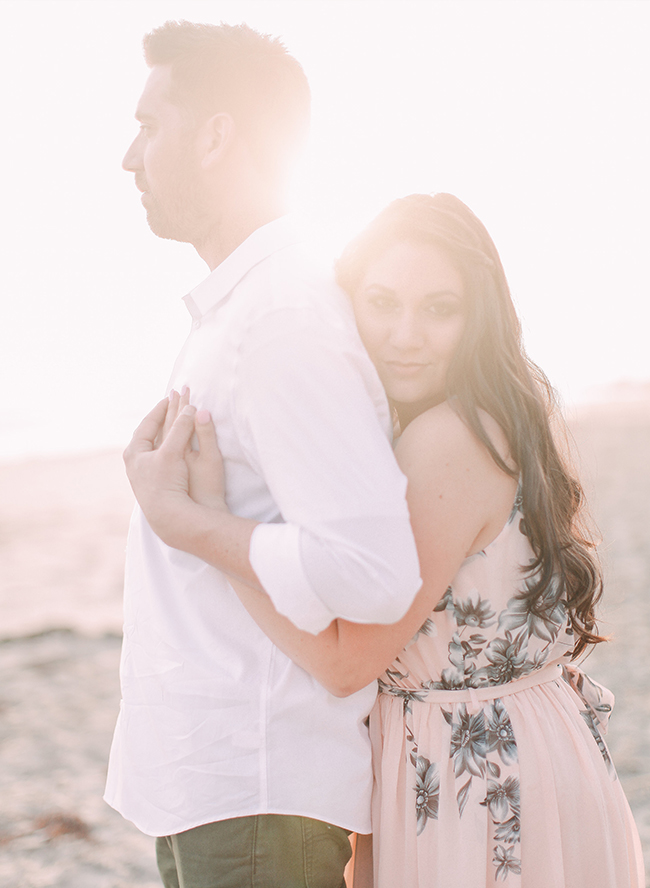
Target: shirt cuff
[275, 557]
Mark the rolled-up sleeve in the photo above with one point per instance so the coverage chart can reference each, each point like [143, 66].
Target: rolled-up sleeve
[316, 425]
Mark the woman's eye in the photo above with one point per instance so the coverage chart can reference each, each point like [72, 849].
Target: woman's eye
[443, 309]
[382, 303]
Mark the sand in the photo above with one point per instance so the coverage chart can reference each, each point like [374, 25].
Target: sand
[63, 526]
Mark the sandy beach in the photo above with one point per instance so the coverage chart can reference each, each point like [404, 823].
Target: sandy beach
[63, 525]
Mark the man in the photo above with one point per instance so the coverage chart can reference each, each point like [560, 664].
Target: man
[246, 770]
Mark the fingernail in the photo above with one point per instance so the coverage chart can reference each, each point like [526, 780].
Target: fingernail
[171, 394]
[203, 417]
[184, 390]
[188, 410]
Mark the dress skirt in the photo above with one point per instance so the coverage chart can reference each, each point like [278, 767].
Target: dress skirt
[509, 785]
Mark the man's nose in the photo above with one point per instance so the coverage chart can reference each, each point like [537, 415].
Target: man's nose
[130, 161]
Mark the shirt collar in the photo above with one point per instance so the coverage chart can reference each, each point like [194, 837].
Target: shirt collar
[259, 245]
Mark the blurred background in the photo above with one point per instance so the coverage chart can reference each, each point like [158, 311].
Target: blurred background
[534, 112]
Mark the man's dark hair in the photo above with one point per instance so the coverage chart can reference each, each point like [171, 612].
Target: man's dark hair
[235, 69]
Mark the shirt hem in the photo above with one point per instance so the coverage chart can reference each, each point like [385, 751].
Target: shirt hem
[344, 823]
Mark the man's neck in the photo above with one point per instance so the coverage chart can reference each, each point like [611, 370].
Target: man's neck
[230, 232]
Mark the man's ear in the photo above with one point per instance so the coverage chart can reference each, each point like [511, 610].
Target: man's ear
[217, 134]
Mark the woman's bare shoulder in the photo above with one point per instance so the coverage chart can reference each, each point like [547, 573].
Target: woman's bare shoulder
[439, 429]
[439, 442]
[453, 477]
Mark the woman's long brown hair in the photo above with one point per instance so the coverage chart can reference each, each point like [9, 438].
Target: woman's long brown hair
[492, 372]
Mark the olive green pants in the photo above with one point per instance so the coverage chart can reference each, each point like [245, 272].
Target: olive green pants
[267, 851]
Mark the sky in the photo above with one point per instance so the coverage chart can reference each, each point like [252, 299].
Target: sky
[536, 113]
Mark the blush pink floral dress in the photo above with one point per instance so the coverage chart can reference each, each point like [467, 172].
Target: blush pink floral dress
[490, 767]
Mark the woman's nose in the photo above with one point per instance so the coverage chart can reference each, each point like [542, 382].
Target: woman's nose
[407, 334]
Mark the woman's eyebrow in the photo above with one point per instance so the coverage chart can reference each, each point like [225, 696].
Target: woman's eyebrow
[436, 294]
[382, 287]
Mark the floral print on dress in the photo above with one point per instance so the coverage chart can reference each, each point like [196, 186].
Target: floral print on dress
[505, 862]
[527, 632]
[598, 704]
[486, 647]
[468, 746]
[427, 788]
[407, 696]
[542, 618]
[501, 737]
[482, 746]
[455, 757]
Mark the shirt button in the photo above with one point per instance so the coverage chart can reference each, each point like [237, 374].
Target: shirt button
[196, 324]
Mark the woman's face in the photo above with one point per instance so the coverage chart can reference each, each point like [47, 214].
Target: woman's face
[411, 312]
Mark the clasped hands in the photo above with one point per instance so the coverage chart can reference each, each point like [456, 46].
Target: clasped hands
[171, 479]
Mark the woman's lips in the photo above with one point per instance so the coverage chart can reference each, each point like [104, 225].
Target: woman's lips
[405, 368]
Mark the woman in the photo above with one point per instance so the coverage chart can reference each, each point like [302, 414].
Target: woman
[488, 757]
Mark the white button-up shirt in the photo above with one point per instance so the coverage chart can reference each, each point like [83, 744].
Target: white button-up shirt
[215, 721]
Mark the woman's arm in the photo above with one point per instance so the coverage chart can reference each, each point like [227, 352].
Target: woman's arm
[458, 501]
[312, 569]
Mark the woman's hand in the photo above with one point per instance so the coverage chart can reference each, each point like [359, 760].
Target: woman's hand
[181, 490]
[158, 471]
[168, 477]
[205, 465]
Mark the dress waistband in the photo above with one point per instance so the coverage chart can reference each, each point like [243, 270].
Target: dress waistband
[475, 695]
